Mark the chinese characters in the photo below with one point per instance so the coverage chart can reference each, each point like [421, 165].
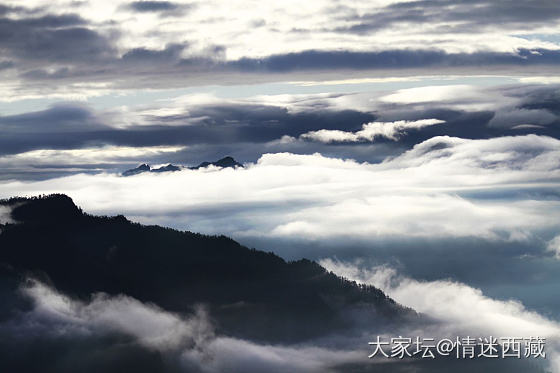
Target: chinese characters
[459, 347]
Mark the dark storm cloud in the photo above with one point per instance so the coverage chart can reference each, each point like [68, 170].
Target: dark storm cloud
[38, 45]
[34, 43]
[393, 59]
[541, 98]
[153, 6]
[475, 124]
[261, 123]
[246, 131]
[69, 49]
[220, 125]
[171, 53]
[60, 38]
[92, 55]
[59, 118]
[209, 132]
[6, 65]
[4, 9]
[473, 16]
[162, 8]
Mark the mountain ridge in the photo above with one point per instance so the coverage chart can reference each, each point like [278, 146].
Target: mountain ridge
[226, 162]
[253, 294]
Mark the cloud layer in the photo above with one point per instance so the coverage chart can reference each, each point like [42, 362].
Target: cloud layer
[443, 187]
[369, 131]
[66, 46]
[368, 125]
[185, 343]
[461, 309]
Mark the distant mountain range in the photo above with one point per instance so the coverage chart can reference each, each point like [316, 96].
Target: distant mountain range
[223, 163]
[146, 168]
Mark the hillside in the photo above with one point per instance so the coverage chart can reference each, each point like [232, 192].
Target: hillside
[251, 294]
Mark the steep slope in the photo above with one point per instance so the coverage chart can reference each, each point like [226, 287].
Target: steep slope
[250, 293]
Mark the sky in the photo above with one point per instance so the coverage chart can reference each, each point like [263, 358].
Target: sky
[415, 140]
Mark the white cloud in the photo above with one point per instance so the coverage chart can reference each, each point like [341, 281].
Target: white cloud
[540, 80]
[233, 24]
[554, 246]
[91, 155]
[369, 131]
[5, 215]
[234, 355]
[257, 29]
[457, 96]
[152, 326]
[429, 191]
[192, 338]
[328, 136]
[462, 310]
[431, 94]
[357, 81]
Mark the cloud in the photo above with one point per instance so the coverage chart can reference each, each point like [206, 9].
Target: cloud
[5, 215]
[246, 127]
[461, 309]
[369, 131]
[152, 326]
[57, 119]
[187, 343]
[76, 45]
[206, 124]
[118, 331]
[541, 80]
[516, 117]
[85, 156]
[170, 54]
[6, 65]
[392, 59]
[242, 356]
[417, 194]
[554, 246]
[52, 38]
[49, 163]
[153, 6]
[447, 301]
[453, 16]
[433, 94]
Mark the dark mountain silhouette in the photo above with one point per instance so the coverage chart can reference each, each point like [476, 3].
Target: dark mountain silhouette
[138, 170]
[252, 294]
[168, 168]
[224, 163]
[146, 168]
